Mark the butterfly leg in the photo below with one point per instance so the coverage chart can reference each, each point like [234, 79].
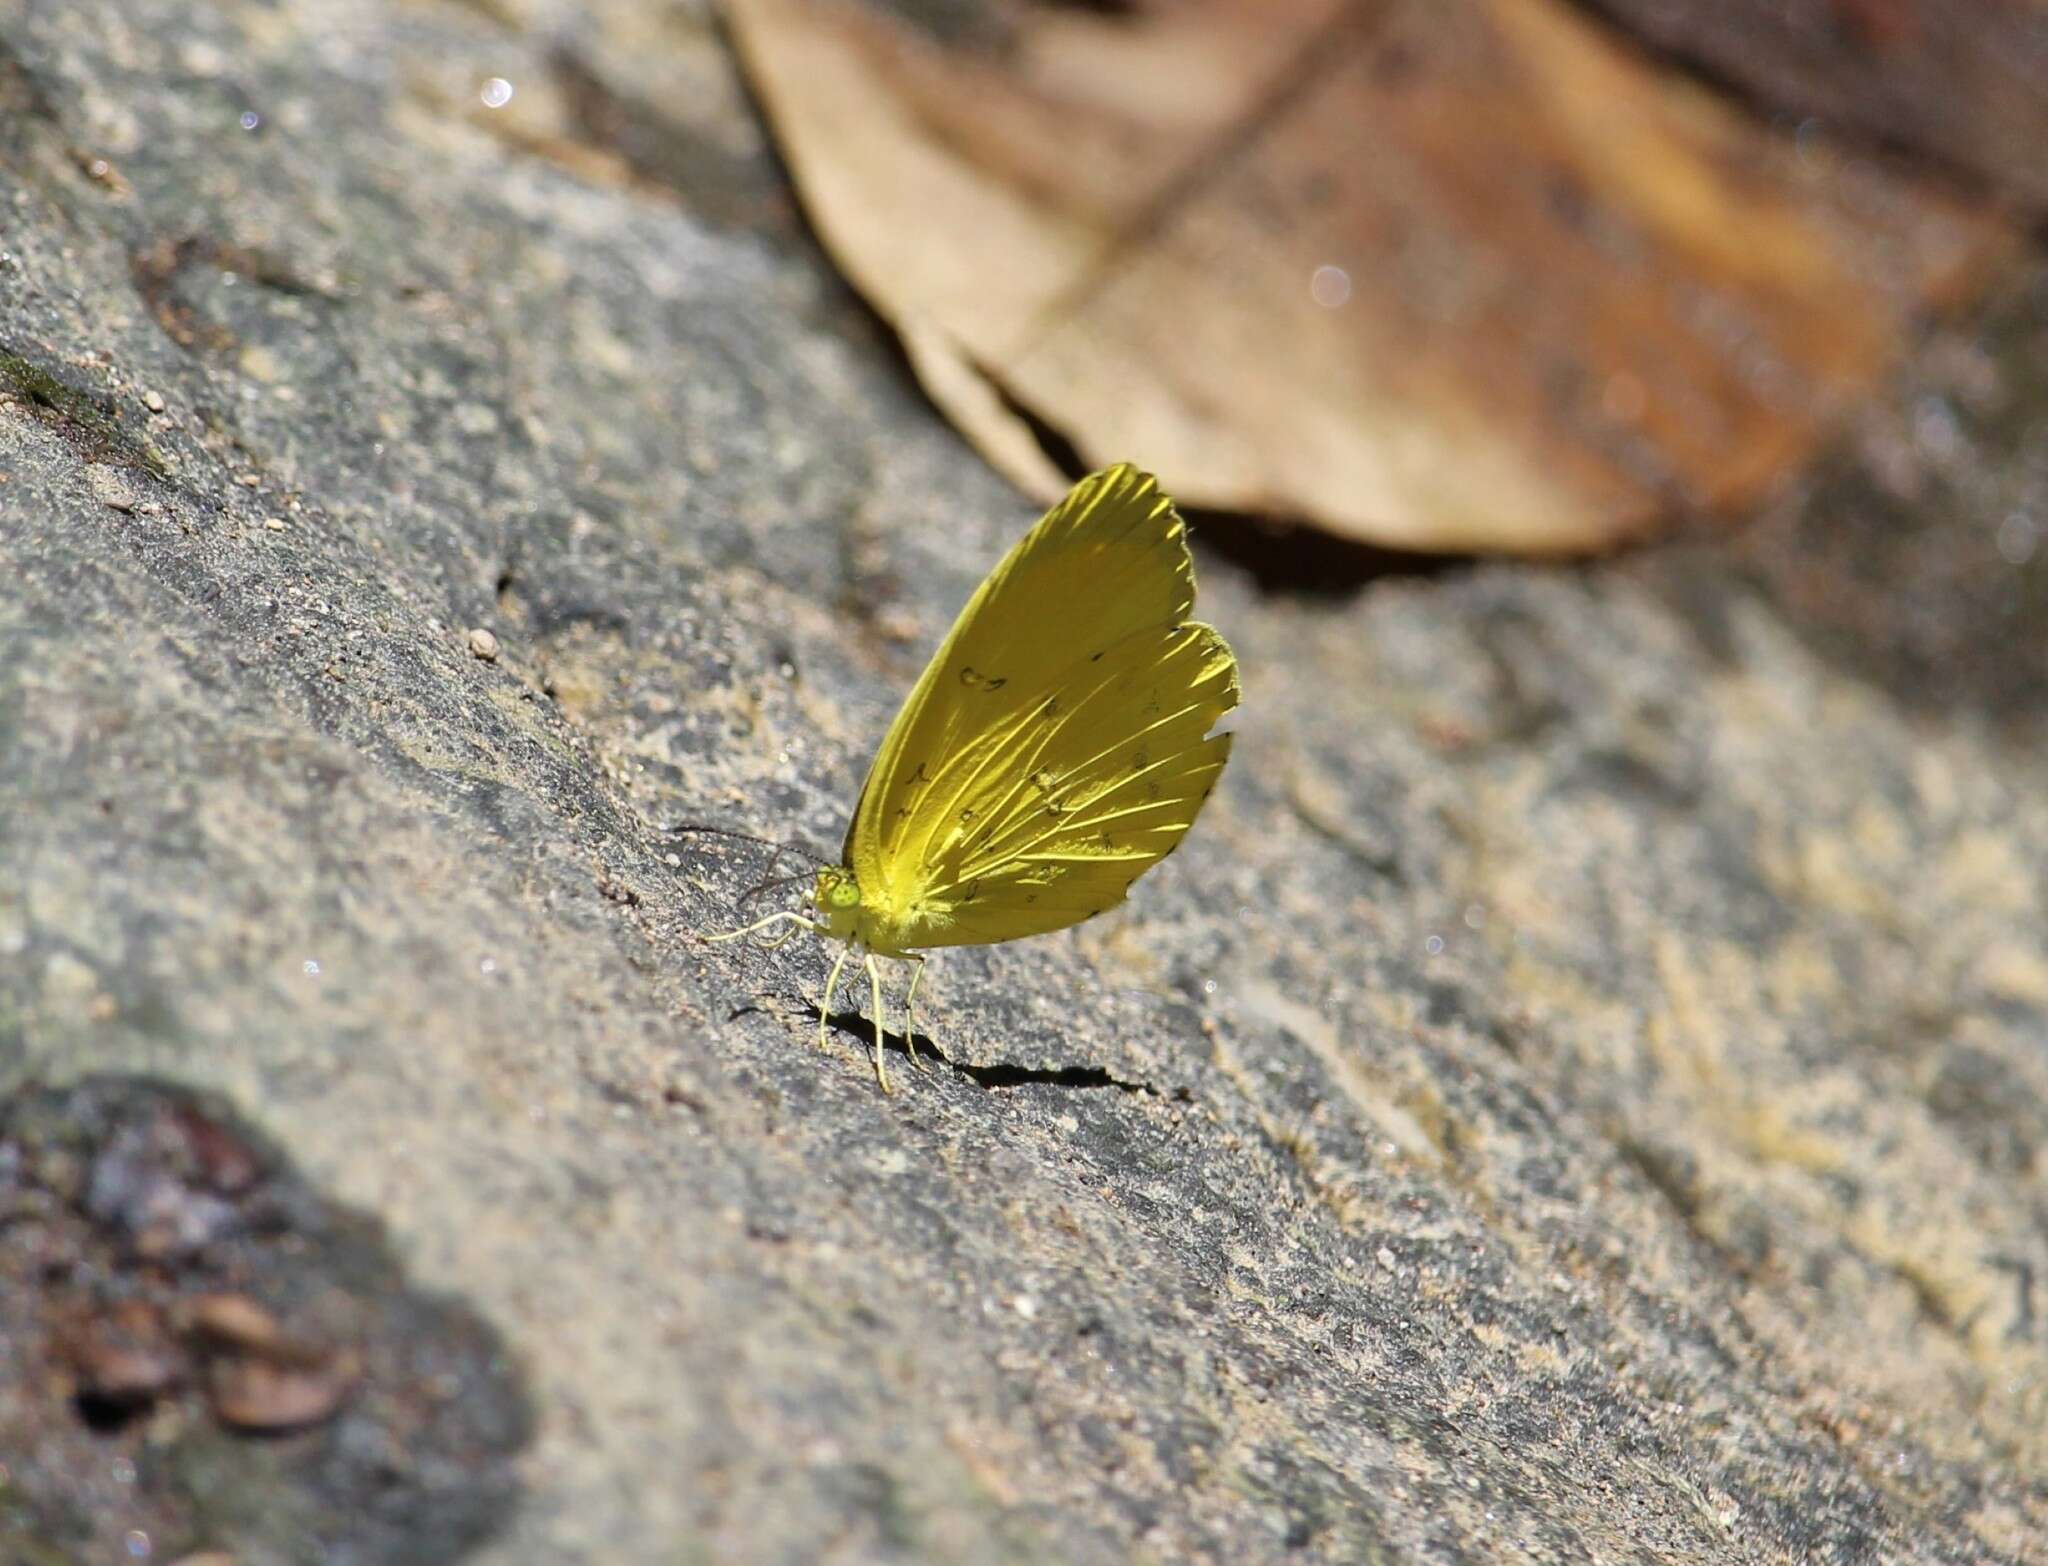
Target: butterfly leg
[875, 986]
[910, 1013]
[788, 933]
[831, 984]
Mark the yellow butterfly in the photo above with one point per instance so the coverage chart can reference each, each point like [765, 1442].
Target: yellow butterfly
[1056, 747]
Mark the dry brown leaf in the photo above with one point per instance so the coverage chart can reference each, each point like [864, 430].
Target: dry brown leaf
[1443, 276]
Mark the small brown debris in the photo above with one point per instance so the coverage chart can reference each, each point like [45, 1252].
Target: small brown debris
[124, 1354]
[102, 172]
[225, 1160]
[258, 1377]
[235, 1321]
[110, 488]
[253, 1393]
[895, 624]
[614, 890]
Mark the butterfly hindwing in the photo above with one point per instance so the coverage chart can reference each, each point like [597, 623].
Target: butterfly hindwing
[1058, 744]
[1090, 802]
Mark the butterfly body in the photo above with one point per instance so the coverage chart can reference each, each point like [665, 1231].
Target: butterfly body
[1054, 749]
[841, 917]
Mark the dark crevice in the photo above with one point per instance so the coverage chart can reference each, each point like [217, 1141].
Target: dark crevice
[22, 95]
[108, 1415]
[1657, 1168]
[1663, 1173]
[1297, 560]
[1933, 1308]
[747, 191]
[2021, 1329]
[88, 419]
[1109, 10]
[157, 270]
[1060, 451]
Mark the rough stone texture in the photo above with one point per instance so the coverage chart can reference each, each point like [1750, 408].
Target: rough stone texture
[1578, 1095]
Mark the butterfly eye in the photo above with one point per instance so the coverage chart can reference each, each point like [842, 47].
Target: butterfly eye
[837, 889]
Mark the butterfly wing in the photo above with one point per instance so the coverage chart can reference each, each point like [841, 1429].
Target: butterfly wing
[1058, 745]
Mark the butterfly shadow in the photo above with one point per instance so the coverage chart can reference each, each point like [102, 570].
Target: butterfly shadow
[1000, 1074]
[858, 1027]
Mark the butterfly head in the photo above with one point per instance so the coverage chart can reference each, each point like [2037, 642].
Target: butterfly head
[838, 900]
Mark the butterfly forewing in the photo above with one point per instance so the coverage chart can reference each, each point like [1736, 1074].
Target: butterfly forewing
[1058, 744]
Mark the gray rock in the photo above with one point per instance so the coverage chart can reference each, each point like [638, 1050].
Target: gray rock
[1578, 1094]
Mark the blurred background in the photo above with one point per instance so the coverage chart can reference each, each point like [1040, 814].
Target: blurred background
[1528, 276]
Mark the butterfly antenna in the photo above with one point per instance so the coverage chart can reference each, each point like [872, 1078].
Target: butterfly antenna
[683, 829]
[773, 884]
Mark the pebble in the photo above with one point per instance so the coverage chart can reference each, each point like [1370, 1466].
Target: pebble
[484, 644]
[123, 1354]
[110, 488]
[236, 1321]
[255, 1393]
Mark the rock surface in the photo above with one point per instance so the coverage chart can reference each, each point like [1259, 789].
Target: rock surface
[1577, 1096]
